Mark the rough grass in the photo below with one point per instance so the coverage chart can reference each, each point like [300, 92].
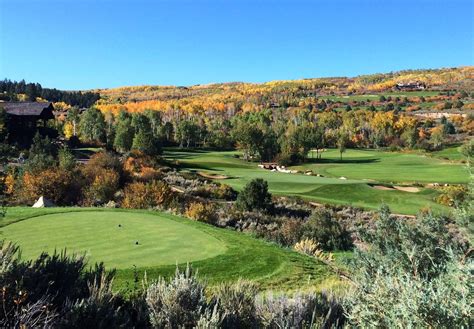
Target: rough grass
[362, 168]
[225, 255]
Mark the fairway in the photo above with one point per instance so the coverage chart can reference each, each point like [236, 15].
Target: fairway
[361, 168]
[161, 241]
[165, 240]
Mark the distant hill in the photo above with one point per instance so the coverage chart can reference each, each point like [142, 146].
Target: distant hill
[282, 93]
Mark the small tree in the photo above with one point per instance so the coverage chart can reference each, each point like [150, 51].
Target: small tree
[254, 196]
[342, 141]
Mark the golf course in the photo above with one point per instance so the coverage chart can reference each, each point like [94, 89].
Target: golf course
[363, 178]
[135, 242]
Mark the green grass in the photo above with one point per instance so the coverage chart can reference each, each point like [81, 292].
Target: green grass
[449, 153]
[165, 240]
[361, 167]
[375, 97]
[390, 167]
[97, 233]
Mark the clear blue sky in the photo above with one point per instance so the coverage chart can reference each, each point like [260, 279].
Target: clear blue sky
[87, 44]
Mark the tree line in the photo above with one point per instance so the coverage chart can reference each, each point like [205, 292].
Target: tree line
[9, 91]
[284, 136]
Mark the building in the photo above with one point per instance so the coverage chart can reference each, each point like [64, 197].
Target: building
[410, 86]
[24, 119]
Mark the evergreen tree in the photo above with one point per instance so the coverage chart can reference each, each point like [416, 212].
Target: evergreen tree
[254, 196]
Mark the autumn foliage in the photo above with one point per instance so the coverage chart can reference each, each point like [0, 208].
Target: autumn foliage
[140, 195]
[56, 185]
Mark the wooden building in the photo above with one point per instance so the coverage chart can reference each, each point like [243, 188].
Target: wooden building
[24, 119]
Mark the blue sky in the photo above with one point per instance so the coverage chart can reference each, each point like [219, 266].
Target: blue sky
[94, 44]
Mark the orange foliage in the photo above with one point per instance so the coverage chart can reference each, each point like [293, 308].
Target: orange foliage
[202, 212]
[54, 184]
[147, 195]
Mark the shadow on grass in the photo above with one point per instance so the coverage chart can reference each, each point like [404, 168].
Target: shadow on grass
[343, 160]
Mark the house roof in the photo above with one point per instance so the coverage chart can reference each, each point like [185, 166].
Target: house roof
[28, 108]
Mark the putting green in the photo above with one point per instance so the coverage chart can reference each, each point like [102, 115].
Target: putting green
[111, 237]
[219, 255]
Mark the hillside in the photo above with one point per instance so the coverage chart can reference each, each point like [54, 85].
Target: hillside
[284, 93]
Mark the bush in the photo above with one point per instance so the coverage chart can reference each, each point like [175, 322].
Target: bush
[237, 302]
[103, 187]
[307, 246]
[177, 303]
[301, 311]
[452, 195]
[147, 195]
[415, 274]
[60, 186]
[202, 212]
[254, 196]
[102, 160]
[100, 309]
[290, 231]
[326, 231]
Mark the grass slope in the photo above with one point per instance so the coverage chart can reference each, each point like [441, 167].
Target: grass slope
[360, 166]
[231, 255]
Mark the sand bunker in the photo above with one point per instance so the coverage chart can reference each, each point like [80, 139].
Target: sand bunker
[210, 176]
[383, 188]
[410, 189]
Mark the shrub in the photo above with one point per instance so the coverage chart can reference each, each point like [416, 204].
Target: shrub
[307, 246]
[177, 303]
[301, 311]
[103, 187]
[147, 195]
[254, 196]
[224, 192]
[328, 232]
[100, 309]
[202, 212]
[237, 302]
[452, 195]
[102, 160]
[414, 274]
[59, 186]
[290, 231]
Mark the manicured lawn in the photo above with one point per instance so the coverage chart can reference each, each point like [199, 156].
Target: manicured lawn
[164, 241]
[359, 166]
[373, 97]
[449, 153]
[392, 167]
[111, 237]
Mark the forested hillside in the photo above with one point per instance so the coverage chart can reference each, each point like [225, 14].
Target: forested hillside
[306, 93]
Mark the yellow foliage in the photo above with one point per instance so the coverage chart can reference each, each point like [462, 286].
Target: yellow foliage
[61, 106]
[68, 130]
[9, 184]
[307, 246]
[202, 212]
